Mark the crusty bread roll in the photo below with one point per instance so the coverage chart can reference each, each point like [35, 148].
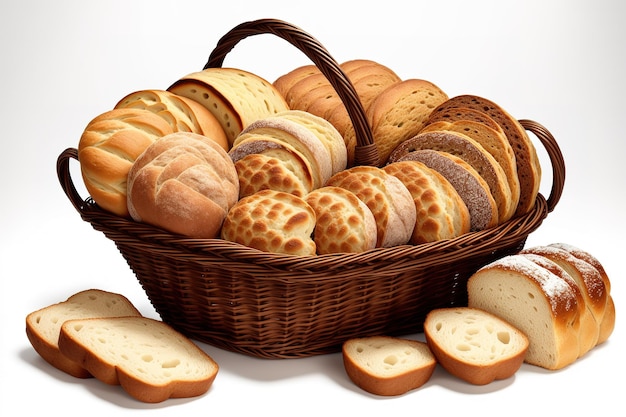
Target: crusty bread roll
[387, 366]
[536, 301]
[493, 141]
[44, 325]
[272, 221]
[386, 196]
[149, 359]
[528, 166]
[107, 149]
[234, 96]
[475, 345]
[184, 183]
[183, 114]
[471, 187]
[284, 83]
[344, 224]
[473, 153]
[441, 212]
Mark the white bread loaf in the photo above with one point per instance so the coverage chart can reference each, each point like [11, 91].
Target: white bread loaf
[107, 149]
[544, 306]
[183, 114]
[234, 96]
[272, 221]
[441, 212]
[474, 345]
[471, 187]
[44, 325]
[386, 196]
[387, 366]
[184, 183]
[150, 360]
[344, 224]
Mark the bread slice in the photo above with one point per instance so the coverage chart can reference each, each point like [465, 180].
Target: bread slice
[148, 358]
[44, 325]
[388, 366]
[541, 304]
[474, 345]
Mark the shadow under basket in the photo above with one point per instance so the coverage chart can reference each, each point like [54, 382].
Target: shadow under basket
[280, 306]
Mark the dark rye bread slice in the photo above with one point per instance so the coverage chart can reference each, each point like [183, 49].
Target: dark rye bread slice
[528, 168]
[470, 186]
[471, 152]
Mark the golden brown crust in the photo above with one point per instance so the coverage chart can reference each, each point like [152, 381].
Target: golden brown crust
[183, 183]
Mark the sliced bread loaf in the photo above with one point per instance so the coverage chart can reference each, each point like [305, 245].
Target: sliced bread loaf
[148, 358]
[388, 366]
[475, 345]
[44, 325]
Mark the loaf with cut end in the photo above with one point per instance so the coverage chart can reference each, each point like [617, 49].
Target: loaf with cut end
[388, 366]
[44, 325]
[386, 196]
[272, 221]
[474, 345]
[149, 359]
[184, 183]
[541, 304]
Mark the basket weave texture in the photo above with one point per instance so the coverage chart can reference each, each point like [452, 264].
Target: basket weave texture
[280, 306]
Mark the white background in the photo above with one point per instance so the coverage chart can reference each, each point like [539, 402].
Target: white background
[561, 63]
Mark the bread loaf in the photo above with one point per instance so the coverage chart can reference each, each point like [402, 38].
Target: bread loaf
[344, 224]
[44, 325]
[387, 366]
[441, 212]
[149, 359]
[183, 114]
[234, 96]
[184, 183]
[473, 153]
[475, 345]
[528, 166]
[471, 187]
[386, 196]
[107, 149]
[272, 221]
[541, 304]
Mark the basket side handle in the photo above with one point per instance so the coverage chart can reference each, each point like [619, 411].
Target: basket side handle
[366, 152]
[556, 158]
[63, 174]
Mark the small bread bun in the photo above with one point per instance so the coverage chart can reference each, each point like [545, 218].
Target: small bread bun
[183, 114]
[344, 223]
[184, 183]
[272, 221]
[234, 96]
[475, 345]
[471, 187]
[441, 212]
[107, 149]
[386, 196]
[387, 366]
[284, 83]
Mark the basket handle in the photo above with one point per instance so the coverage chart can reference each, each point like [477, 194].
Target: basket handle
[63, 173]
[366, 152]
[556, 158]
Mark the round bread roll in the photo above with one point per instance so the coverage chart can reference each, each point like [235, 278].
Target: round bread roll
[471, 187]
[107, 149]
[183, 114]
[284, 83]
[441, 212]
[234, 96]
[471, 152]
[184, 183]
[272, 221]
[386, 196]
[344, 223]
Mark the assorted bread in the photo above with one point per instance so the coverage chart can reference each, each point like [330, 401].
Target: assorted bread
[96, 333]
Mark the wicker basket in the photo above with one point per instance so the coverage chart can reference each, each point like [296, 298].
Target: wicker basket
[280, 306]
